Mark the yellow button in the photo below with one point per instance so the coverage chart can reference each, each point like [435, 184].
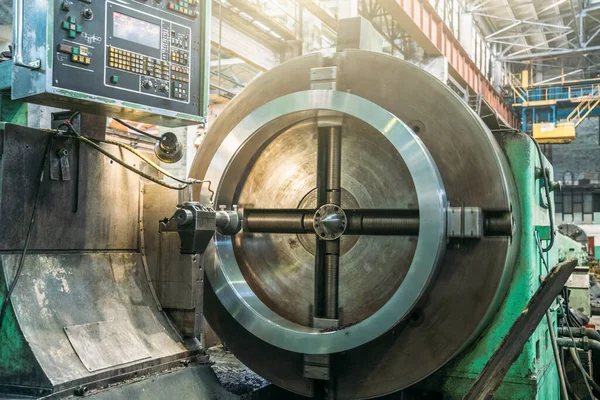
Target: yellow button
[88, 60]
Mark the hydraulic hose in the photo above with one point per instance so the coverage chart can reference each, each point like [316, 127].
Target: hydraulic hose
[579, 332]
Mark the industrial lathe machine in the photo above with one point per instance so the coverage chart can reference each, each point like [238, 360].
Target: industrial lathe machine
[350, 228]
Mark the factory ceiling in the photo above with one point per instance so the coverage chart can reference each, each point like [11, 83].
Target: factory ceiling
[539, 29]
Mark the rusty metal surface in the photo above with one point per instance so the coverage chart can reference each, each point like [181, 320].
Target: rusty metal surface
[106, 344]
[96, 210]
[474, 172]
[62, 290]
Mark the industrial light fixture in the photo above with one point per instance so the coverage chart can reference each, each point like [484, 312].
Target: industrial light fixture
[168, 149]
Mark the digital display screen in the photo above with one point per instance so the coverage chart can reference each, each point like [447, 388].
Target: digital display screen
[136, 30]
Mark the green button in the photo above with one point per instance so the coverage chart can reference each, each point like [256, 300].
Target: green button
[79, 29]
[65, 25]
[72, 34]
[72, 20]
[114, 79]
[176, 8]
[75, 50]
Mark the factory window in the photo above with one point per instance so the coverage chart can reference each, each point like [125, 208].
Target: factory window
[596, 202]
[588, 207]
[568, 178]
[567, 203]
[558, 203]
[577, 203]
[576, 206]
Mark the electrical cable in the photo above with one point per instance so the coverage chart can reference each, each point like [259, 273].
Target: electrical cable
[545, 175]
[538, 242]
[547, 193]
[575, 356]
[72, 117]
[129, 167]
[595, 386]
[556, 352]
[570, 390]
[578, 360]
[161, 170]
[90, 143]
[559, 364]
[68, 124]
[150, 162]
[133, 128]
[13, 284]
[187, 183]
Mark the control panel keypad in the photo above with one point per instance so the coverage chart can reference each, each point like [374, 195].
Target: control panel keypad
[137, 51]
[79, 54]
[181, 74]
[180, 91]
[185, 7]
[137, 63]
[180, 57]
[180, 40]
[71, 27]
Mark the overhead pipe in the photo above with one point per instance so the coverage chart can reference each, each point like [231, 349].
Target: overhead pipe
[580, 343]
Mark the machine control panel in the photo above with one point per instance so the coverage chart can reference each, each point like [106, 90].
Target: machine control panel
[144, 52]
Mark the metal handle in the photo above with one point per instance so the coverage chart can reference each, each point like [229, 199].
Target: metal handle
[17, 55]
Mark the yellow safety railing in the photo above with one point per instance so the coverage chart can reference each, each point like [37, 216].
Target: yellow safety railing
[586, 106]
[517, 87]
[582, 93]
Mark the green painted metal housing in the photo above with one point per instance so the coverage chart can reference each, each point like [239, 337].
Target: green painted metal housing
[12, 111]
[534, 375]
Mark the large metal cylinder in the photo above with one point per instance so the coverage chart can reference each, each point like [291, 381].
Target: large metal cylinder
[400, 148]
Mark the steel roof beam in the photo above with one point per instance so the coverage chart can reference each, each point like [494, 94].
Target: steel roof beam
[552, 53]
[521, 21]
[545, 43]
